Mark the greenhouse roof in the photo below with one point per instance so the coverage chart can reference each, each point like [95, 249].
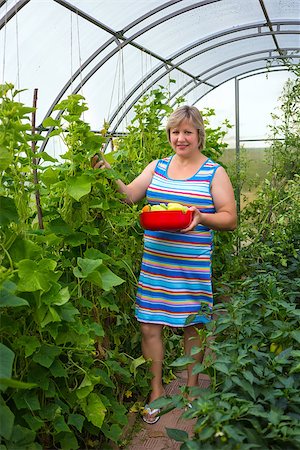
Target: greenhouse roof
[115, 51]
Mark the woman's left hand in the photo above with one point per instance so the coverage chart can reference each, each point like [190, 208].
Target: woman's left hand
[197, 215]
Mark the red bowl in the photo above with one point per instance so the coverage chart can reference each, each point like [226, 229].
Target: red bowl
[166, 220]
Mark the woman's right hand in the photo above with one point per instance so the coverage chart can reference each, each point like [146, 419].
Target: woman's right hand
[99, 162]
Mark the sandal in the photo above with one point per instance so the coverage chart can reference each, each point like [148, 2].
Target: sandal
[153, 413]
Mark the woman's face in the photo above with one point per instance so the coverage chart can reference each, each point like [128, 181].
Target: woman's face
[184, 138]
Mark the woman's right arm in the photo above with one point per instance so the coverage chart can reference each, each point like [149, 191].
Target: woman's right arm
[136, 190]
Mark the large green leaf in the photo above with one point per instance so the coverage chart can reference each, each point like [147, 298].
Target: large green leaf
[182, 361]
[113, 433]
[86, 386]
[60, 425]
[75, 239]
[6, 358]
[97, 273]
[57, 369]
[79, 186]
[46, 355]
[56, 295]
[24, 249]
[296, 335]
[76, 420]
[51, 316]
[60, 227]
[22, 437]
[36, 276]
[105, 278]
[177, 435]
[8, 210]
[9, 382]
[87, 266]
[6, 421]
[50, 176]
[8, 298]
[136, 363]
[95, 410]
[30, 343]
[27, 400]
[67, 312]
[68, 441]
[50, 122]
[108, 278]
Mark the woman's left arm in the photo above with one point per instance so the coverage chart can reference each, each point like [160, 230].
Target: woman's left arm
[225, 217]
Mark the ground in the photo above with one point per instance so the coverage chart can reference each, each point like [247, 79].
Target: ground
[154, 436]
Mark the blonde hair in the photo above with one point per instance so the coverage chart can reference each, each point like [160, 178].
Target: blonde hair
[190, 113]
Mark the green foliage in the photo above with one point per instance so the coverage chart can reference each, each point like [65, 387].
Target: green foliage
[146, 137]
[254, 400]
[284, 154]
[65, 368]
[254, 359]
[70, 352]
[215, 145]
[270, 224]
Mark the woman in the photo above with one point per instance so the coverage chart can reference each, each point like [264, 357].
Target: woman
[175, 277]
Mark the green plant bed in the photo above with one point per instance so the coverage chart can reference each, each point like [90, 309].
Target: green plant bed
[253, 400]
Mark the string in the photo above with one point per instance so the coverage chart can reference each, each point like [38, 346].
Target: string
[18, 56]
[79, 58]
[4, 45]
[142, 68]
[123, 86]
[71, 49]
[119, 76]
[113, 87]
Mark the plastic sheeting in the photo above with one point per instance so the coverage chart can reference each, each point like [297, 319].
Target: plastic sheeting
[114, 51]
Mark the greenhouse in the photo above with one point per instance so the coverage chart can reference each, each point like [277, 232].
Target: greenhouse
[149, 224]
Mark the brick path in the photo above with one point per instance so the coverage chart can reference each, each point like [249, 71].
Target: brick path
[154, 436]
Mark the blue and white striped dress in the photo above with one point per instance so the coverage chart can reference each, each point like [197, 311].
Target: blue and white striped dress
[175, 277]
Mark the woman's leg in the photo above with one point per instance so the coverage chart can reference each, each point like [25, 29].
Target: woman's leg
[153, 348]
[192, 339]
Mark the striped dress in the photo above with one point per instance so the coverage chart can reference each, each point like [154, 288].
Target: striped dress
[175, 286]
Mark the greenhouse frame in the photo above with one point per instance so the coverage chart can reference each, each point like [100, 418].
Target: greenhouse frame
[118, 50]
[87, 87]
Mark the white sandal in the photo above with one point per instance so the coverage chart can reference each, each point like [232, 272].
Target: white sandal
[147, 411]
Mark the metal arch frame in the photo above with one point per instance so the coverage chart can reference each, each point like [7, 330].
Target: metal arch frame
[12, 12]
[165, 62]
[119, 35]
[224, 43]
[257, 26]
[270, 51]
[246, 74]
[111, 132]
[239, 65]
[116, 36]
[194, 79]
